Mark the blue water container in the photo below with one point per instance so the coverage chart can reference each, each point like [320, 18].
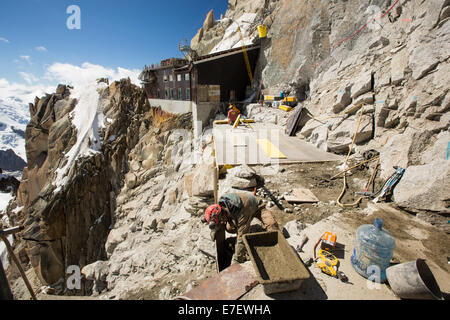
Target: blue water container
[373, 251]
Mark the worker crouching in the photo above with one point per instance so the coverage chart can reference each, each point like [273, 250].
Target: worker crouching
[235, 212]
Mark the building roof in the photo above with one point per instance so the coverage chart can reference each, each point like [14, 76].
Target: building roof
[178, 66]
[222, 54]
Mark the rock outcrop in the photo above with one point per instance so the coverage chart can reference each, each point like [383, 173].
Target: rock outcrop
[10, 161]
[8, 184]
[68, 225]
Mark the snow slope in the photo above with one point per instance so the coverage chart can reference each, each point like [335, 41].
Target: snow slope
[87, 117]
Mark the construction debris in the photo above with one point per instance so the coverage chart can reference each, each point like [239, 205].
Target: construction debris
[301, 195]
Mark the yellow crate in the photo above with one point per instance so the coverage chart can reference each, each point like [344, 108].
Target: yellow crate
[289, 99]
[285, 108]
[269, 98]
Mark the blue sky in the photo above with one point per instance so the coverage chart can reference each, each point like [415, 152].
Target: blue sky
[114, 33]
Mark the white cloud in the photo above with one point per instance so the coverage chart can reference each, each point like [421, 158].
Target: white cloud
[56, 73]
[87, 73]
[41, 49]
[28, 77]
[4, 40]
[14, 97]
[26, 58]
[22, 92]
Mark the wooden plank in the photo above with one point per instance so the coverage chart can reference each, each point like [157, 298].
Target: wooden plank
[19, 266]
[5, 290]
[214, 93]
[301, 195]
[221, 256]
[202, 93]
[7, 232]
[293, 120]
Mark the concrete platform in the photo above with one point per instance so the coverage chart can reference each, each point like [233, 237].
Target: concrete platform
[247, 145]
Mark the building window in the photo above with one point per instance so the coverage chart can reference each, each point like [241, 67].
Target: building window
[179, 94]
[166, 94]
[188, 94]
[178, 77]
[186, 77]
[158, 94]
[165, 77]
[170, 77]
[171, 94]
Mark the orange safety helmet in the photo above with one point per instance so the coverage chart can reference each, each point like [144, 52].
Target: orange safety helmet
[212, 215]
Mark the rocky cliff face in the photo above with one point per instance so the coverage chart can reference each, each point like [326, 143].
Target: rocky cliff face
[68, 225]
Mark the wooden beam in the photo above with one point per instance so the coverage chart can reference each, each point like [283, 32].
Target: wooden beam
[5, 290]
[7, 232]
[19, 266]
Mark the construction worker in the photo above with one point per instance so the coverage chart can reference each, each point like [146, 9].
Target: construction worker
[233, 113]
[235, 212]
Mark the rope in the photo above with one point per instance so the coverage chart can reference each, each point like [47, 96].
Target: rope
[338, 115]
[360, 29]
[356, 166]
[338, 200]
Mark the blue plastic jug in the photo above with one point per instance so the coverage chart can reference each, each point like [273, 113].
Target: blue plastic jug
[373, 251]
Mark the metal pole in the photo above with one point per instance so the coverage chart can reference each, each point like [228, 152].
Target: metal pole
[5, 290]
[17, 262]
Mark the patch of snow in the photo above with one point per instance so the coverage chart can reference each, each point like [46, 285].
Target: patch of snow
[15, 174]
[87, 117]
[4, 201]
[17, 210]
[4, 251]
[232, 39]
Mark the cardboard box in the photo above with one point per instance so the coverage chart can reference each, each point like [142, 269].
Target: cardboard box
[214, 93]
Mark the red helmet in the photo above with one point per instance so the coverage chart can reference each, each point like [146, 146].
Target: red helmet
[212, 215]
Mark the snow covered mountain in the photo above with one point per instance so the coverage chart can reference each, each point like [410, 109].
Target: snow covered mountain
[14, 117]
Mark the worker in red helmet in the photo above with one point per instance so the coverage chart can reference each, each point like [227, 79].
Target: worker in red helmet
[235, 212]
[233, 113]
